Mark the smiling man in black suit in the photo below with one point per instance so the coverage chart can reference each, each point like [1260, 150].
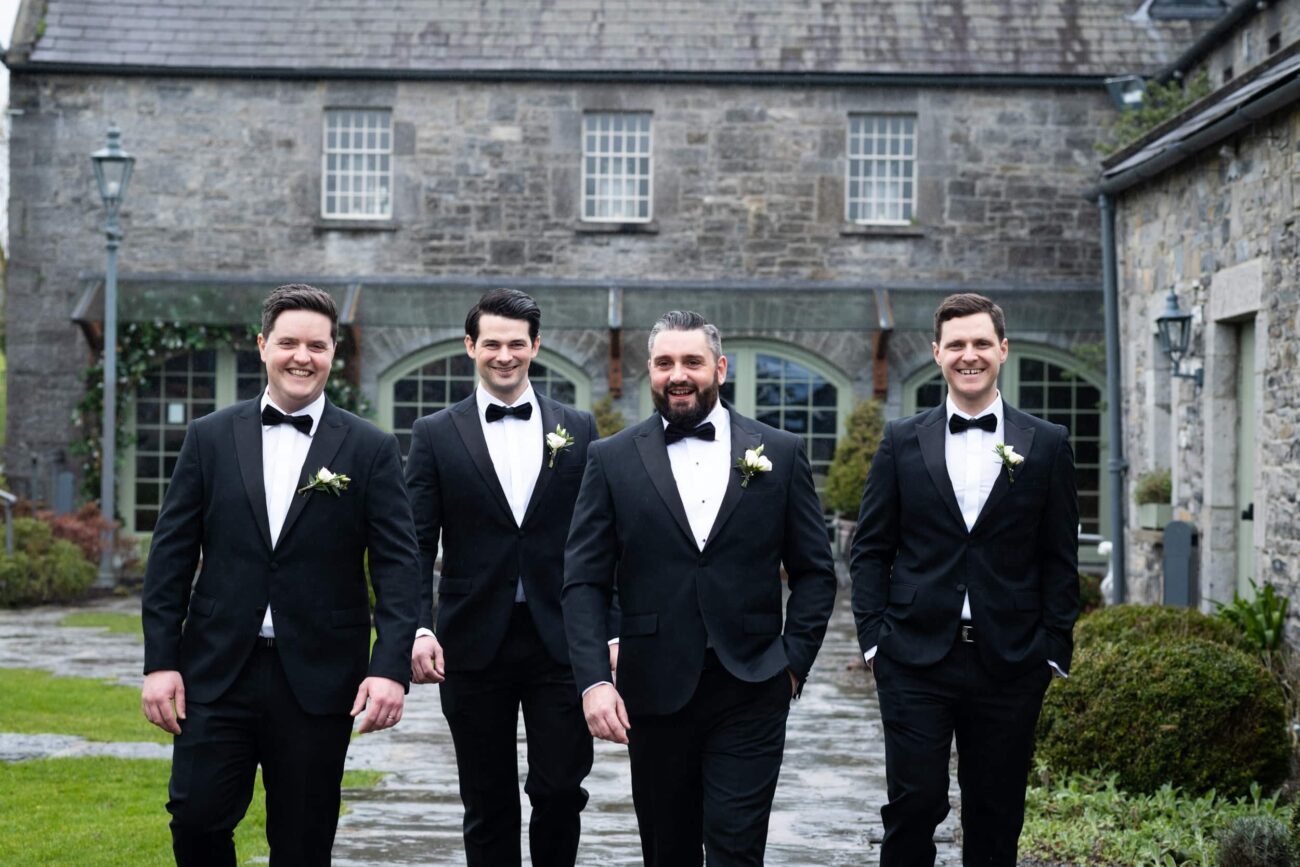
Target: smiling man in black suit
[262, 659]
[495, 477]
[690, 517]
[965, 590]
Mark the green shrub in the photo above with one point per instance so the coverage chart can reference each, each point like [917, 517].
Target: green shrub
[42, 568]
[1184, 711]
[609, 420]
[847, 475]
[1260, 619]
[1090, 598]
[1256, 841]
[1155, 487]
[1132, 624]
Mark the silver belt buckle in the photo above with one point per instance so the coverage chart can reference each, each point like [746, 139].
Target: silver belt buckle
[967, 633]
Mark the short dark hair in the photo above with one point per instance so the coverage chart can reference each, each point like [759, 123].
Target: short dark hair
[510, 303]
[299, 296]
[969, 304]
[686, 320]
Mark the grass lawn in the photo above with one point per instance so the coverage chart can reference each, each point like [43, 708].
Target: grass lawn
[37, 702]
[114, 621]
[101, 811]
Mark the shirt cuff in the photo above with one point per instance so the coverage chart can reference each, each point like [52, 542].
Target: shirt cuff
[612, 642]
[870, 654]
[1056, 668]
[421, 632]
[596, 684]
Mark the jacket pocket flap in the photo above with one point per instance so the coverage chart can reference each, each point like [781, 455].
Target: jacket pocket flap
[902, 594]
[1028, 601]
[453, 586]
[350, 617]
[638, 624]
[200, 604]
[762, 624]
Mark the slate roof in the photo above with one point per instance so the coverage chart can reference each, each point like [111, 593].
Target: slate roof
[412, 37]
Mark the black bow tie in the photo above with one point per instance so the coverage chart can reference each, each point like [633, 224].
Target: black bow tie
[272, 416]
[673, 433]
[496, 412]
[958, 424]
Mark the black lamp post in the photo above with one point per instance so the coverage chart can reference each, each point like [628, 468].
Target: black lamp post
[1175, 332]
[112, 173]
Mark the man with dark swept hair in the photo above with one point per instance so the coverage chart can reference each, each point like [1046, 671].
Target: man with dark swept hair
[688, 519]
[965, 591]
[494, 477]
[265, 657]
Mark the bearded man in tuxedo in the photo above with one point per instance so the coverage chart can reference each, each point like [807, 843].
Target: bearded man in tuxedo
[690, 517]
[965, 592]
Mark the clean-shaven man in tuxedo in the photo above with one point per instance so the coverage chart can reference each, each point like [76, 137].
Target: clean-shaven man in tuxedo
[965, 591]
[265, 657]
[494, 481]
[691, 528]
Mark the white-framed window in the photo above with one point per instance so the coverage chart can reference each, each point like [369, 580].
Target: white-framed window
[443, 375]
[357, 165]
[881, 179]
[616, 167]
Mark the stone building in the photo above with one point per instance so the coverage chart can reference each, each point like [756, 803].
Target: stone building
[813, 176]
[1206, 207]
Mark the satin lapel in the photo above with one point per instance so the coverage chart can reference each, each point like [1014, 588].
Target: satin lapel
[551, 418]
[654, 455]
[742, 438]
[1020, 438]
[325, 443]
[930, 435]
[465, 418]
[248, 451]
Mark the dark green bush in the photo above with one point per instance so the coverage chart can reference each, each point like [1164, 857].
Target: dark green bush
[1090, 598]
[1256, 841]
[1133, 624]
[1183, 711]
[42, 568]
[847, 474]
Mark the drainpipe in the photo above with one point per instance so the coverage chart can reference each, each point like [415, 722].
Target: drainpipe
[1117, 465]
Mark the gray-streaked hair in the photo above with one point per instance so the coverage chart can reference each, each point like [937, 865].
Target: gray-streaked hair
[686, 320]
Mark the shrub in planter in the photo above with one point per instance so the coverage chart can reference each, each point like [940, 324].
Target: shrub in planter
[42, 568]
[1154, 488]
[1131, 624]
[847, 474]
[1185, 711]
[1256, 841]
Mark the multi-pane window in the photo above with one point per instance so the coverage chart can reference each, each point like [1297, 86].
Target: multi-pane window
[881, 168]
[357, 170]
[616, 167]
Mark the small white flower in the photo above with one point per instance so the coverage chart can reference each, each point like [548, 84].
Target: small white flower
[327, 482]
[325, 475]
[753, 462]
[557, 441]
[1010, 459]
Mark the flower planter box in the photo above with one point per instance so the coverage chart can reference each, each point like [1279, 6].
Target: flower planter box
[1154, 516]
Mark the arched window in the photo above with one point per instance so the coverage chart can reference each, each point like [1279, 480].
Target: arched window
[1055, 386]
[443, 375]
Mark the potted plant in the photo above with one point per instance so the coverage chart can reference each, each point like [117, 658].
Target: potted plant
[847, 473]
[1154, 494]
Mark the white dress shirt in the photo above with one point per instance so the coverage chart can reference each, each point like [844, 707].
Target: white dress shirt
[973, 466]
[701, 470]
[284, 450]
[516, 447]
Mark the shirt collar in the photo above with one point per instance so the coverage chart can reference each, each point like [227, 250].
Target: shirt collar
[995, 407]
[315, 409]
[484, 399]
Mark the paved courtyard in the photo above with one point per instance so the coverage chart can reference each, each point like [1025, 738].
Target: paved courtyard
[826, 812]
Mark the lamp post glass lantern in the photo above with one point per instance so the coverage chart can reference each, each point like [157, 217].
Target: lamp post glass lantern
[112, 174]
[1174, 331]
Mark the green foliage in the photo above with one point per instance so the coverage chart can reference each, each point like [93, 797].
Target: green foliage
[1092, 355]
[848, 470]
[113, 622]
[1260, 619]
[1197, 715]
[343, 393]
[1256, 841]
[1161, 102]
[1154, 487]
[1087, 819]
[1090, 598]
[42, 568]
[1127, 625]
[38, 702]
[609, 419]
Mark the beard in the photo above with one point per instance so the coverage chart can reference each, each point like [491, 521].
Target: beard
[688, 417]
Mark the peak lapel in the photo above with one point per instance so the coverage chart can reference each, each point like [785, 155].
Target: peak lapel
[654, 455]
[930, 435]
[248, 451]
[742, 438]
[464, 416]
[1020, 438]
[325, 443]
[551, 418]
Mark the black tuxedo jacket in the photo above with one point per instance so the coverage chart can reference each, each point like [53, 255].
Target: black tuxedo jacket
[914, 560]
[455, 494]
[314, 577]
[630, 533]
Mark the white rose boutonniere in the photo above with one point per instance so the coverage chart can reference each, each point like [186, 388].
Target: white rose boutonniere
[753, 462]
[557, 441]
[1010, 459]
[326, 482]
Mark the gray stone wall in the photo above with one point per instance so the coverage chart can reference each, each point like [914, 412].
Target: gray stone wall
[1248, 45]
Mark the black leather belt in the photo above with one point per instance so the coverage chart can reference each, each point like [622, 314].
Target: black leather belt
[966, 634]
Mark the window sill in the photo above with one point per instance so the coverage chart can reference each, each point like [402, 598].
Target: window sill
[583, 227]
[322, 225]
[868, 230]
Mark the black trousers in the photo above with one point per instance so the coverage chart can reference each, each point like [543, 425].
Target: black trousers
[482, 710]
[215, 759]
[703, 777]
[921, 709]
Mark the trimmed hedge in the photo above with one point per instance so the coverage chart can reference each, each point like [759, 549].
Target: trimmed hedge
[42, 568]
[1185, 711]
[1133, 624]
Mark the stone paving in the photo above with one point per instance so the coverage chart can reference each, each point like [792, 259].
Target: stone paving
[826, 812]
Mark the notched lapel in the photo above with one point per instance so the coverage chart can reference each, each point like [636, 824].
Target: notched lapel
[248, 451]
[464, 418]
[325, 443]
[1022, 440]
[742, 438]
[930, 435]
[552, 416]
[654, 455]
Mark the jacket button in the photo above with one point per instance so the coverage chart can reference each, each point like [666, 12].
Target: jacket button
[961, 588]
